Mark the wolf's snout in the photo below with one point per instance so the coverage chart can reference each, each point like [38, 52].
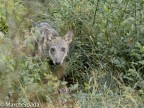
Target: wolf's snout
[57, 63]
[58, 60]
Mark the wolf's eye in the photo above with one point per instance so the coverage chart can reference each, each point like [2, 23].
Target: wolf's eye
[63, 49]
[52, 49]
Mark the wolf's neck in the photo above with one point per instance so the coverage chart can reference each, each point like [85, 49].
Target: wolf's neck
[59, 71]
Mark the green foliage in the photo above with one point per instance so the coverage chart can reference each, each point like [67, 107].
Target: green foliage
[106, 58]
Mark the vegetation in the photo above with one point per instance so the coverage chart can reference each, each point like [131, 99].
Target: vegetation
[105, 67]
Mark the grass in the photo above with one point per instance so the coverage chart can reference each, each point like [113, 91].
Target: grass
[105, 63]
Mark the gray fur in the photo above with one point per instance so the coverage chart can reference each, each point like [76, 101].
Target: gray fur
[50, 44]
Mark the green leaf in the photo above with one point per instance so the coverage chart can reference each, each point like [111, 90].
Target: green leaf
[64, 83]
[141, 62]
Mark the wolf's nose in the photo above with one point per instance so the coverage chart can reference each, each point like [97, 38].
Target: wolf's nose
[57, 63]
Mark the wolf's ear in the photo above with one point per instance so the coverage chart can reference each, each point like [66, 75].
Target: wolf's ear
[68, 36]
[46, 35]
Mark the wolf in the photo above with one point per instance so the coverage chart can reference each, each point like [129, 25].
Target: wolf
[49, 44]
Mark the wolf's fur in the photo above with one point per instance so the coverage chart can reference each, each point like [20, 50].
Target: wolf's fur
[50, 44]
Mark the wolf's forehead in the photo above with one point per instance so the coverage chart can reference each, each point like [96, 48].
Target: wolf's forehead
[58, 42]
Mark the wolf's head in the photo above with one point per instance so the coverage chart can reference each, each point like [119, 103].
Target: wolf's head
[56, 47]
